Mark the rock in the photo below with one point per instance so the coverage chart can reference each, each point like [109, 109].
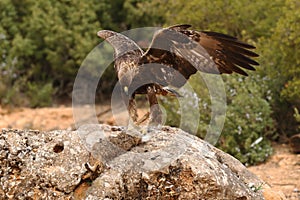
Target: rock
[40, 164]
[107, 162]
[295, 143]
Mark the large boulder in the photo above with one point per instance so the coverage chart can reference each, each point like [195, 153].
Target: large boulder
[107, 162]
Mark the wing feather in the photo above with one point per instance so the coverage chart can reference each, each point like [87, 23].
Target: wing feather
[243, 51]
[189, 51]
[230, 39]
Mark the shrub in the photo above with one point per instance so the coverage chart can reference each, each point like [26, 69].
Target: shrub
[40, 95]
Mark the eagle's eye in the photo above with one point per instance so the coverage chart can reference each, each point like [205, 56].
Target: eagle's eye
[125, 90]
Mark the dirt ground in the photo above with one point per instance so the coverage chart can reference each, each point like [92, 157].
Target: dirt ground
[281, 171]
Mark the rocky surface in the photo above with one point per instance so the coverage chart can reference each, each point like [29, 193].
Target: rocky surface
[40, 164]
[107, 162]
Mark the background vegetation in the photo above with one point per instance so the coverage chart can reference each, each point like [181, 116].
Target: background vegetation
[42, 44]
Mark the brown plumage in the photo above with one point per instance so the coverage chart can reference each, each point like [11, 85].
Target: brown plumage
[174, 55]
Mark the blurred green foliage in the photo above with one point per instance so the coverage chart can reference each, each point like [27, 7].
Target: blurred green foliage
[43, 43]
[248, 121]
[281, 66]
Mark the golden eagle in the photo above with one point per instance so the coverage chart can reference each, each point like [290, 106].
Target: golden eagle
[174, 55]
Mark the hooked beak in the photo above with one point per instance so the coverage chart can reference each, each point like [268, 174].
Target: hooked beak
[126, 90]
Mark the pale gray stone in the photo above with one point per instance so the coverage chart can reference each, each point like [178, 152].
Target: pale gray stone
[105, 162]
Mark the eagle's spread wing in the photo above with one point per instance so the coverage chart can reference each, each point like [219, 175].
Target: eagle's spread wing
[188, 51]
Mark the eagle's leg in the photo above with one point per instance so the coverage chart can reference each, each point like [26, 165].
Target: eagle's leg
[132, 128]
[132, 109]
[144, 118]
[155, 111]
